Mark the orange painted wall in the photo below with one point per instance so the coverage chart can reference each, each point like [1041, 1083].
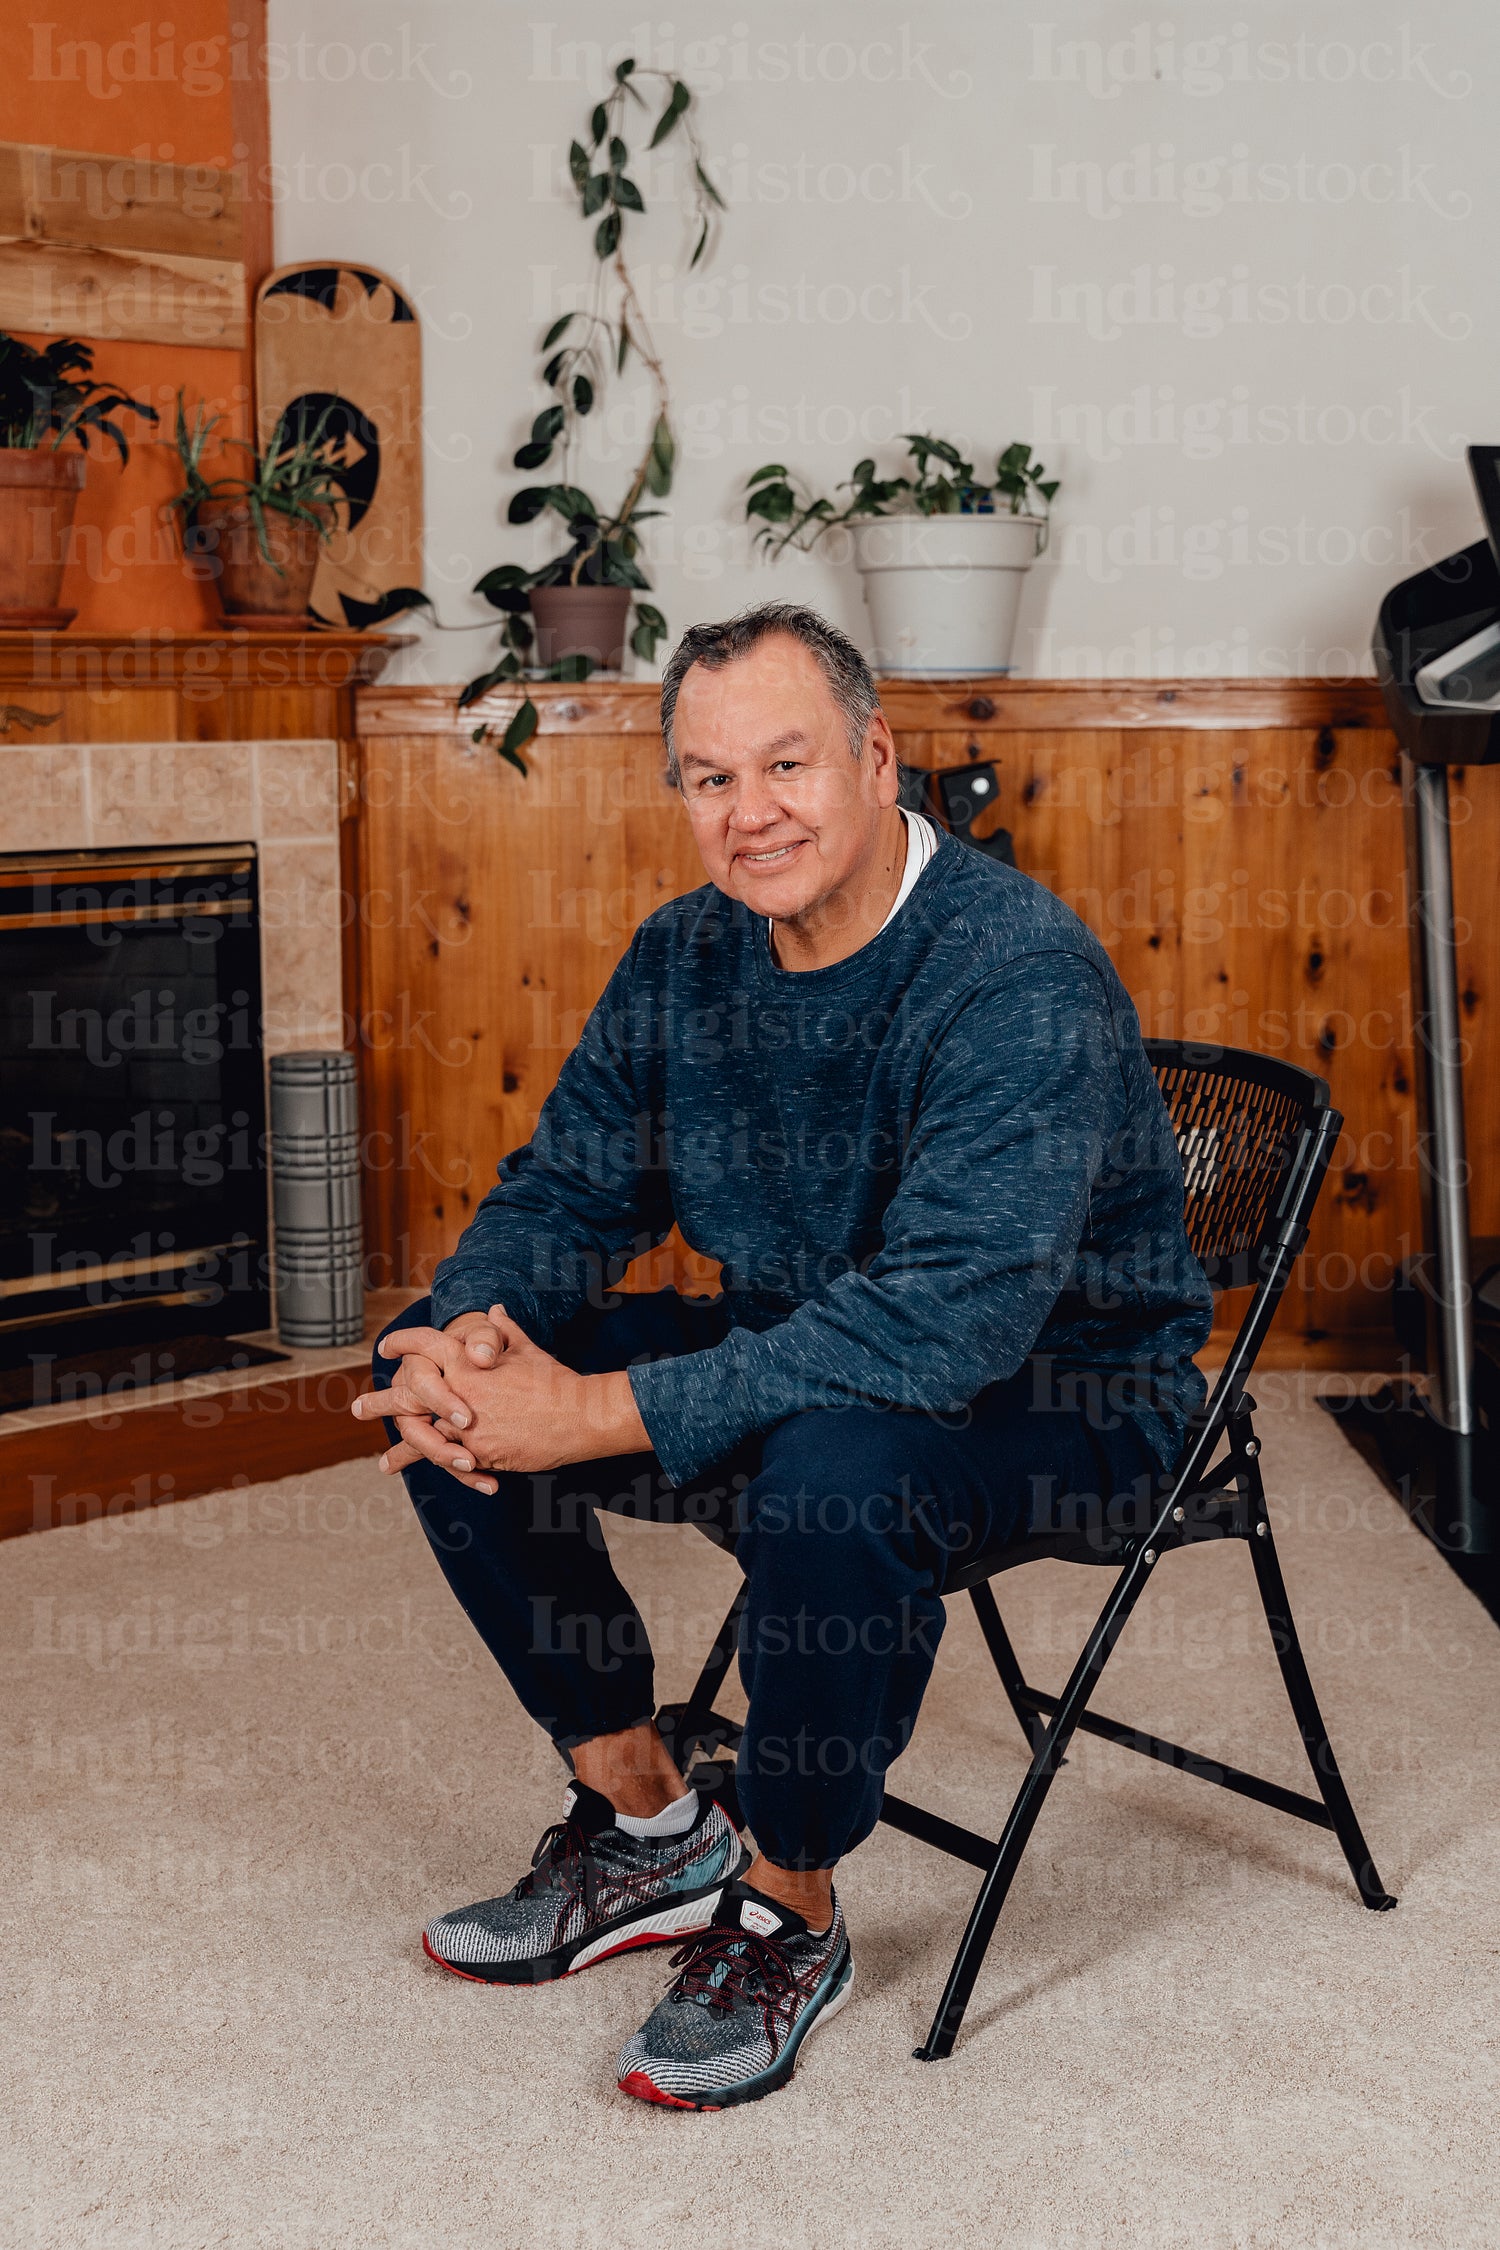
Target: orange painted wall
[115, 78]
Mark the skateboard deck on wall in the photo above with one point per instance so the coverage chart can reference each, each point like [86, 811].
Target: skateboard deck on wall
[344, 340]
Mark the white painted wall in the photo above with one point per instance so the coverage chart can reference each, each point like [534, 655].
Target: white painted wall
[1231, 268]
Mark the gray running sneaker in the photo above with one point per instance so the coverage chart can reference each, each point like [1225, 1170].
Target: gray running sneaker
[591, 1891]
[750, 1988]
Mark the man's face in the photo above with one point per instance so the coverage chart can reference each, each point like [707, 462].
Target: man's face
[783, 814]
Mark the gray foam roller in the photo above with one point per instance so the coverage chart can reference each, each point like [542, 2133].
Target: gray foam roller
[315, 1199]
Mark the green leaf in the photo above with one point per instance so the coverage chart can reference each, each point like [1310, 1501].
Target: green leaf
[362, 615]
[571, 668]
[619, 569]
[547, 424]
[677, 103]
[775, 469]
[941, 448]
[1014, 457]
[559, 327]
[619, 154]
[1050, 489]
[599, 123]
[532, 456]
[506, 669]
[708, 187]
[504, 588]
[595, 193]
[774, 503]
[624, 347]
[578, 165]
[607, 235]
[583, 394]
[523, 726]
[699, 246]
[568, 501]
[623, 70]
[663, 454]
[503, 574]
[863, 472]
[527, 504]
[627, 194]
[650, 627]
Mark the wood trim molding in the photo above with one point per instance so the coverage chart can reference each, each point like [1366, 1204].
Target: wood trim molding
[984, 705]
[206, 662]
[112, 1463]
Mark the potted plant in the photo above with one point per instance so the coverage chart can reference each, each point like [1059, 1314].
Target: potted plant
[47, 397]
[942, 555]
[256, 536]
[570, 615]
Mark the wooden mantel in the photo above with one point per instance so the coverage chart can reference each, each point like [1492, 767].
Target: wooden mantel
[152, 658]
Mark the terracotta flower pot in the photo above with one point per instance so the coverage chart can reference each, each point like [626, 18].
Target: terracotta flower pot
[38, 494]
[581, 621]
[222, 547]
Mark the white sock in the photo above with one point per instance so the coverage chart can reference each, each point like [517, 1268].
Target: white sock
[673, 1820]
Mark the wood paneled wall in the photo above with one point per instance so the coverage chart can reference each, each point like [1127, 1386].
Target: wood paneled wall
[1237, 845]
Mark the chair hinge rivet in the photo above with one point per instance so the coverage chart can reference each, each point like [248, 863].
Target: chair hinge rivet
[1179, 1515]
[1260, 1531]
[1252, 1447]
[1150, 1554]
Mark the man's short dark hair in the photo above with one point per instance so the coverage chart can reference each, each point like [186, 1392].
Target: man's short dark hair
[849, 678]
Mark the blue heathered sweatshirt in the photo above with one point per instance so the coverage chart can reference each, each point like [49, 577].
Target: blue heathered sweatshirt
[917, 1167]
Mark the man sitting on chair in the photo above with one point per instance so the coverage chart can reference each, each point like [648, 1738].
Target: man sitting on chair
[898, 1092]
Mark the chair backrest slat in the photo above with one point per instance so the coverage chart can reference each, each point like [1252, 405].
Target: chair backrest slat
[1241, 1123]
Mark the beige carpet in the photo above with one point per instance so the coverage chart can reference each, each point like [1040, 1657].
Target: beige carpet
[252, 1744]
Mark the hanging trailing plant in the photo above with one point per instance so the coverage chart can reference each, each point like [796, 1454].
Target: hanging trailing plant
[583, 351]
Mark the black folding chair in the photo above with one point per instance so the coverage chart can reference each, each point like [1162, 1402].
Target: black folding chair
[1255, 1138]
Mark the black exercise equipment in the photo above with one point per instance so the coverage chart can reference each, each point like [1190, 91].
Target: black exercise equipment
[1255, 1136]
[1437, 656]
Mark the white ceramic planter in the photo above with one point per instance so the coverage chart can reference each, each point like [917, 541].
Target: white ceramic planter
[943, 591]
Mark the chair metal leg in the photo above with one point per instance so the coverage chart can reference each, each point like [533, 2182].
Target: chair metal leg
[1006, 1662]
[1305, 1710]
[1023, 1813]
[683, 1726]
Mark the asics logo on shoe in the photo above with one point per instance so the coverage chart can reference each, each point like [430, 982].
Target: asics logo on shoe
[591, 1891]
[754, 1916]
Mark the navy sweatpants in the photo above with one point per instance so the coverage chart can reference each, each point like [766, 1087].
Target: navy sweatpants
[845, 1524]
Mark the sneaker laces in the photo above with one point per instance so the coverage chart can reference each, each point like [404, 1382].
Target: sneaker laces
[561, 1862]
[564, 1860]
[723, 1968]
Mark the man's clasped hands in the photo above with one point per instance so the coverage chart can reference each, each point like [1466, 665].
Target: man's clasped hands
[479, 1396]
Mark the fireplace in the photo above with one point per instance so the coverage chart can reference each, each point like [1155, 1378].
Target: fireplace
[133, 1204]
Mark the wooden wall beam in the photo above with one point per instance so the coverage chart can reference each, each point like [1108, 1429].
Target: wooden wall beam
[70, 197]
[121, 247]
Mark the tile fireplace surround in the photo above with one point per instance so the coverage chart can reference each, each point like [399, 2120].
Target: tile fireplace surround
[281, 796]
[160, 739]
